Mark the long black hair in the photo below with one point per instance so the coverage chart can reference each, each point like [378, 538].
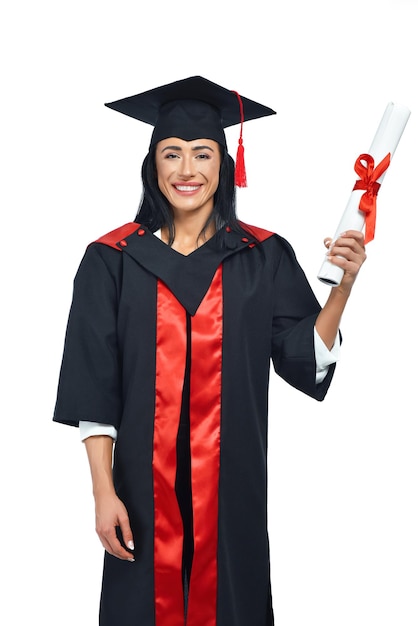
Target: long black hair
[154, 211]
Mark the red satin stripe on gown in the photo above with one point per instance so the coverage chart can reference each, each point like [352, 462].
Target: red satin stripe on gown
[168, 526]
[205, 417]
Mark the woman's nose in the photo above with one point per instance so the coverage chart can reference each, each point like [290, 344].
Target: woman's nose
[187, 167]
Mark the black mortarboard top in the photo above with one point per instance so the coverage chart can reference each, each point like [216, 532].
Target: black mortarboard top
[193, 108]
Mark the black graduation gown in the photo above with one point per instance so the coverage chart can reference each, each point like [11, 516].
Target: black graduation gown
[152, 336]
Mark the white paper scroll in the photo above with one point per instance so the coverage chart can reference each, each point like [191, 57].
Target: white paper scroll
[386, 140]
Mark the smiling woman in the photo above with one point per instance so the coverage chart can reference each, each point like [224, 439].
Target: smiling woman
[188, 176]
[175, 320]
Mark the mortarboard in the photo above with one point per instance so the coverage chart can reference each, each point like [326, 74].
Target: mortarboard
[193, 108]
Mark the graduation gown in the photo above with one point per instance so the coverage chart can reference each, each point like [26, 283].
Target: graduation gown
[175, 352]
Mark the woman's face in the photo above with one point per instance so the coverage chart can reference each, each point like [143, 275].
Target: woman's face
[188, 173]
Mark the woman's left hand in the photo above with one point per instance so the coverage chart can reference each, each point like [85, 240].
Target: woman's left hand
[348, 252]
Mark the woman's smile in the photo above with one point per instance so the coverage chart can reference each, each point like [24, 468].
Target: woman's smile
[188, 173]
[186, 188]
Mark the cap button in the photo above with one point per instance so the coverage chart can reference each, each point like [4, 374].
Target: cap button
[123, 243]
[141, 232]
[228, 229]
[245, 239]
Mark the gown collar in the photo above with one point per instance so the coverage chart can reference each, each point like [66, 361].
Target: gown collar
[188, 277]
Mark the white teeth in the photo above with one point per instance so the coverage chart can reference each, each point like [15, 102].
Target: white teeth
[187, 187]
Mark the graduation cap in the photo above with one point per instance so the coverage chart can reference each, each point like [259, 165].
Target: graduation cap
[193, 108]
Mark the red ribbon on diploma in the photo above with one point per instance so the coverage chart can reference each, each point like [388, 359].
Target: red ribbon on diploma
[369, 175]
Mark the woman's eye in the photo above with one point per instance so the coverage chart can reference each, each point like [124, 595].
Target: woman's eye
[203, 155]
[171, 156]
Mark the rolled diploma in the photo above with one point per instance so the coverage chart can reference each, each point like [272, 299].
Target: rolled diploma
[386, 140]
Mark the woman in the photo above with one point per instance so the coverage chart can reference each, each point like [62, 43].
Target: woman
[175, 320]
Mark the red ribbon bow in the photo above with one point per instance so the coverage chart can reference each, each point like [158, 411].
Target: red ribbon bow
[369, 175]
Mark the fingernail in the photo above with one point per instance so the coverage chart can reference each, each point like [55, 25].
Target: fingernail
[131, 560]
[131, 545]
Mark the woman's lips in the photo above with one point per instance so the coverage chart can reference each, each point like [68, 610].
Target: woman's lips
[187, 188]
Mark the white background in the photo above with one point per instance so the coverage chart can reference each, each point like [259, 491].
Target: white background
[343, 473]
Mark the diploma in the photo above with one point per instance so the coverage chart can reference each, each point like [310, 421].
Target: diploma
[371, 169]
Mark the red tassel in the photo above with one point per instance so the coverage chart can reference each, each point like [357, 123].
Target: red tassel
[240, 173]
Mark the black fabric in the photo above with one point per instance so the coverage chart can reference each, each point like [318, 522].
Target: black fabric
[183, 483]
[188, 278]
[108, 375]
[188, 119]
[191, 108]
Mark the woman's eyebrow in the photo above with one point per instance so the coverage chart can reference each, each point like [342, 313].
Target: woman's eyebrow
[178, 148]
[202, 148]
[171, 148]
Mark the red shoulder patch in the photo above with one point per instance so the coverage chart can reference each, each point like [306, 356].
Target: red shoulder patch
[259, 233]
[115, 236]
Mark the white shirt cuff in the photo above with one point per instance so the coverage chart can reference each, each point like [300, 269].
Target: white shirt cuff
[90, 429]
[324, 357]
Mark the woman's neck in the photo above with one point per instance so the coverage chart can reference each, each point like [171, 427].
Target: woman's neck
[190, 232]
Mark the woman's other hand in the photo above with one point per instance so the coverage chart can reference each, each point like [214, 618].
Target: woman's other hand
[111, 514]
[348, 252]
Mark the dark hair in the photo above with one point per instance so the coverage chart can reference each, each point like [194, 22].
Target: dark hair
[155, 212]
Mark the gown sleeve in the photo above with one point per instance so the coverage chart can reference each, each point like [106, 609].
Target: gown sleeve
[295, 311]
[89, 386]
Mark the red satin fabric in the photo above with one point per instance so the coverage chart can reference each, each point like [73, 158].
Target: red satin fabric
[111, 239]
[205, 416]
[369, 175]
[205, 421]
[168, 526]
[259, 233]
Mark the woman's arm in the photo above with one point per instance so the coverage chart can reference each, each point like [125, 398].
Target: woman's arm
[348, 252]
[110, 510]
